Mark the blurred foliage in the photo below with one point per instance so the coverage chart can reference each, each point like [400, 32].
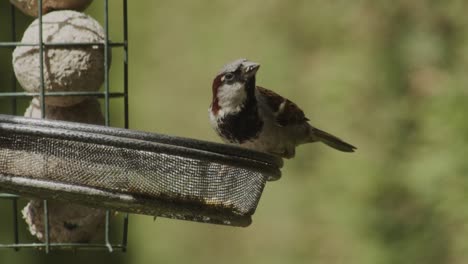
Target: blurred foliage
[388, 76]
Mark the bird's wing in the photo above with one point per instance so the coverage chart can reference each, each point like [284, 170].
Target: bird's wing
[286, 112]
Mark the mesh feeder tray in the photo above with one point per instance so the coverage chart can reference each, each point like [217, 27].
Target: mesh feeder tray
[132, 171]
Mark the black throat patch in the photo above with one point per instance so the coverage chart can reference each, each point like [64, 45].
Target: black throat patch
[246, 124]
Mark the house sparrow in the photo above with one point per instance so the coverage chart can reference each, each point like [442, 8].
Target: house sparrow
[256, 118]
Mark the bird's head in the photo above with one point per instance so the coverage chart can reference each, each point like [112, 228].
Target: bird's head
[233, 85]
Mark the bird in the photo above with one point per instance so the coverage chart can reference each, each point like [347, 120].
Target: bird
[257, 118]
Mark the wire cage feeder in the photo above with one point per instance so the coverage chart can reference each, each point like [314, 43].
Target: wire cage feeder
[120, 169]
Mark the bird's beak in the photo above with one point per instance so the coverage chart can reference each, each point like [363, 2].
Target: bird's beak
[250, 68]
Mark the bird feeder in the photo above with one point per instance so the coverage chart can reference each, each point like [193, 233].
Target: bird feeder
[95, 168]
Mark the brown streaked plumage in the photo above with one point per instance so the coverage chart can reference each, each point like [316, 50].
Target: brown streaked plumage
[257, 118]
[286, 112]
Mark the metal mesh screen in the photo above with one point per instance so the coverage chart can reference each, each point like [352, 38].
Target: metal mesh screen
[193, 183]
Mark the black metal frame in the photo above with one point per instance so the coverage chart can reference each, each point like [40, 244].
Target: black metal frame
[106, 94]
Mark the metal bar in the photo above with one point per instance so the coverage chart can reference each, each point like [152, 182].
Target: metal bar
[8, 196]
[41, 60]
[42, 96]
[60, 245]
[13, 38]
[46, 227]
[70, 93]
[125, 28]
[106, 62]
[125, 233]
[107, 228]
[126, 118]
[15, 222]
[59, 44]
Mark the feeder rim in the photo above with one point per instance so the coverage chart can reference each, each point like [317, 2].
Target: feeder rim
[205, 150]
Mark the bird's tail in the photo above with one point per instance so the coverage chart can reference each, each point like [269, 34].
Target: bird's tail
[330, 140]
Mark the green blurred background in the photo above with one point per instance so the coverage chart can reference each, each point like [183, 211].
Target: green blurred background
[388, 76]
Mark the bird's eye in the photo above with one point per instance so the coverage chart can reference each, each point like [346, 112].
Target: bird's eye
[229, 77]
